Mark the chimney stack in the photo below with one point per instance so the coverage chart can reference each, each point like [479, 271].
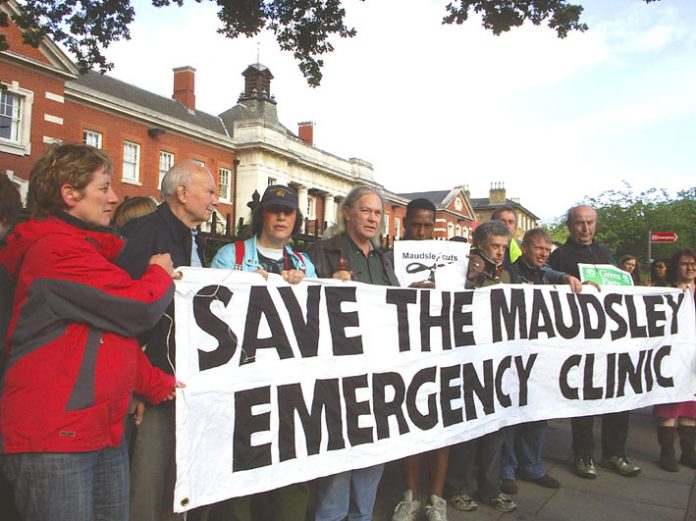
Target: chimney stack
[306, 132]
[496, 194]
[185, 86]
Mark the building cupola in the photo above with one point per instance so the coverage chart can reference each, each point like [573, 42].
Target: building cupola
[257, 84]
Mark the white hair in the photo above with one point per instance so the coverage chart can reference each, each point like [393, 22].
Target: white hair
[180, 175]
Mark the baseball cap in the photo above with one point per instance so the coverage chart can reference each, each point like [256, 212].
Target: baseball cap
[279, 195]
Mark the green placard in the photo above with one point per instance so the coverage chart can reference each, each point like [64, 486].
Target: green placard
[604, 275]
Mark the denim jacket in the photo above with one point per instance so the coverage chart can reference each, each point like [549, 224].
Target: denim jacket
[226, 259]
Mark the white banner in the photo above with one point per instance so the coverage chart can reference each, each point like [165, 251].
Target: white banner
[433, 261]
[286, 384]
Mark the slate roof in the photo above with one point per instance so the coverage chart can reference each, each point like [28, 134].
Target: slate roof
[436, 196]
[481, 203]
[167, 106]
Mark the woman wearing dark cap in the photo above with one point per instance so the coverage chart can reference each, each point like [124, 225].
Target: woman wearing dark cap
[273, 222]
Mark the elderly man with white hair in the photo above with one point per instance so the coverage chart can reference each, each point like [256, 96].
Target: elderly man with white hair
[189, 194]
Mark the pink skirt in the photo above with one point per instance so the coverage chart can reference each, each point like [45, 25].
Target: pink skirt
[675, 410]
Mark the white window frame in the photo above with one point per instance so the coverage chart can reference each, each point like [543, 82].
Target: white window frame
[272, 181]
[131, 164]
[166, 161]
[225, 195]
[22, 145]
[397, 228]
[92, 138]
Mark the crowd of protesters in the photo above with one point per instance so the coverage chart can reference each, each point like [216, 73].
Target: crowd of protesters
[87, 390]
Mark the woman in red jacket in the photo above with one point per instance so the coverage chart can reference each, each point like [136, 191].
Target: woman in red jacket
[72, 362]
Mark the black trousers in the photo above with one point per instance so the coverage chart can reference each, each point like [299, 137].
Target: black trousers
[614, 434]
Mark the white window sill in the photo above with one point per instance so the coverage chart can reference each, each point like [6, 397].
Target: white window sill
[131, 181]
[15, 148]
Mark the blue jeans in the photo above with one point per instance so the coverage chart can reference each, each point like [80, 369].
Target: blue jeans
[350, 493]
[522, 451]
[84, 486]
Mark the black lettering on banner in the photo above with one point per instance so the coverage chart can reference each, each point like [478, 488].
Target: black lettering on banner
[636, 330]
[383, 409]
[516, 314]
[674, 329]
[484, 391]
[261, 304]
[428, 321]
[306, 331]
[589, 391]
[354, 409]
[566, 331]
[326, 402]
[568, 392]
[401, 297]
[611, 300]
[611, 374]
[586, 301]
[340, 320]
[654, 315]
[246, 456]
[503, 366]
[215, 327]
[523, 373]
[540, 311]
[462, 319]
[448, 393]
[634, 374]
[662, 380]
[423, 421]
[648, 371]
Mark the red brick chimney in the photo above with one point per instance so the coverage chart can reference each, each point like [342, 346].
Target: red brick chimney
[185, 86]
[306, 132]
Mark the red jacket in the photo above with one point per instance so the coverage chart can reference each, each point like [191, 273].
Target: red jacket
[72, 362]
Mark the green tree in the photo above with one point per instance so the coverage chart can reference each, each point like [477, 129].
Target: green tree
[624, 219]
[304, 27]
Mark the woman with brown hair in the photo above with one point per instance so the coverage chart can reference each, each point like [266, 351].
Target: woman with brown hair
[72, 358]
[678, 417]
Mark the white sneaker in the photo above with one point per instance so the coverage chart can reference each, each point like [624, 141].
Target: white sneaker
[407, 509]
[437, 509]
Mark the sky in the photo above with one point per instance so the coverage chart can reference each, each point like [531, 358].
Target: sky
[432, 107]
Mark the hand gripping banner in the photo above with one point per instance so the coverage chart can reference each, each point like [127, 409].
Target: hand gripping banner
[285, 384]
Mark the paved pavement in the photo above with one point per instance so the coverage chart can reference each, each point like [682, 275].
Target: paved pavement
[655, 495]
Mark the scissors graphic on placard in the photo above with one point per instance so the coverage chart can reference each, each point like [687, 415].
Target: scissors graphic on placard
[415, 267]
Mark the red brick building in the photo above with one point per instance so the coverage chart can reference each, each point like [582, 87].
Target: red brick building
[454, 217]
[44, 100]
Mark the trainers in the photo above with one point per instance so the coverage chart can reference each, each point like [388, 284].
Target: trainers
[545, 481]
[502, 503]
[407, 509]
[463, 502]
[437, 509]
[622, 465]
[584, 467]
[508, 486]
